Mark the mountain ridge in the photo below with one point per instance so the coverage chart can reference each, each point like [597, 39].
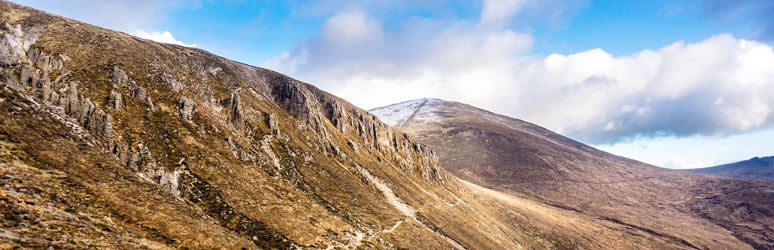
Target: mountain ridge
[754, 168]
[112, 141]
[148, 145]
[522, 159]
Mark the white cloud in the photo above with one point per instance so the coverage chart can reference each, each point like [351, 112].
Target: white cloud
[162, 37]
[496, 11]
[590, 95]
[351, 29]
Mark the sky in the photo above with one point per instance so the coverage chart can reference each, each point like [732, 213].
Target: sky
[677, 84]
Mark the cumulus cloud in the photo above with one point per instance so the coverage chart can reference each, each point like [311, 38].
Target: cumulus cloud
[718, 86]
[162, 37]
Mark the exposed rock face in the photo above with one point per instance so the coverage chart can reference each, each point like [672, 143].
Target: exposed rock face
[15, 46]
[28, 75]
[170, 82]
[309, 104]
[83, 110]
[140, 93]
[151, 106]
[17, 41]
[185, 107]
[141, 160]
[116, 101]
[271, 120]
[45, 61]
[236, 113]
[353, 145]
[119, 78]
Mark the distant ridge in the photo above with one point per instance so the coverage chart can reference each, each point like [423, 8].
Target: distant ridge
[754, 168]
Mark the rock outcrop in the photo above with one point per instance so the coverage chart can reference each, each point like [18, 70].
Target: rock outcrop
[170, 82]
[140, 93]
[116, 101]
[17, 40]
[34, 69]
[236, 112]
[313, 106]
[119, 78]
[185, 107]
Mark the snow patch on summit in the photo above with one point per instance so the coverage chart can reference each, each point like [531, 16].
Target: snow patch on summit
[397, 114]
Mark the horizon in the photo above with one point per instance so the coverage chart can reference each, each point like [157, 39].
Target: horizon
[677, 85]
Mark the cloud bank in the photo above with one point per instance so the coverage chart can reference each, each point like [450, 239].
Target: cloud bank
[719, 86]
[162, 37]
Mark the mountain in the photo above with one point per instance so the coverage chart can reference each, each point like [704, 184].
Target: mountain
[755, 168]
[524, 160]
[112, 141]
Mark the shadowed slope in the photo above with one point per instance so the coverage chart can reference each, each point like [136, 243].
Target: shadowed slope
[755, 168]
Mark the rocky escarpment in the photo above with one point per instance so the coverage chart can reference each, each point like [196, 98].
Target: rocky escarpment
[313, 106]
[309, 105]
[256, 154]
[62, 96]
[35, 70]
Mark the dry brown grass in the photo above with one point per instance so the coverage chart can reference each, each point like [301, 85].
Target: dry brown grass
[656, 208]
[316, 199]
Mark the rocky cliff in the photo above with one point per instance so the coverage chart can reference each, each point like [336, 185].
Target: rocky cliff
[111, 141]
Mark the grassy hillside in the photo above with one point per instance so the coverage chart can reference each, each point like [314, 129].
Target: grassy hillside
[652, 204]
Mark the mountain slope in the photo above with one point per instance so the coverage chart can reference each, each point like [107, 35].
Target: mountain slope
[755, 168]
[111, 141]
[525, 160]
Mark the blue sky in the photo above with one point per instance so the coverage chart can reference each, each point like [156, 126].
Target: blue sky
[673, 83]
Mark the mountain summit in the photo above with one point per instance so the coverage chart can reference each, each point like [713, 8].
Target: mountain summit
[526, 160]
